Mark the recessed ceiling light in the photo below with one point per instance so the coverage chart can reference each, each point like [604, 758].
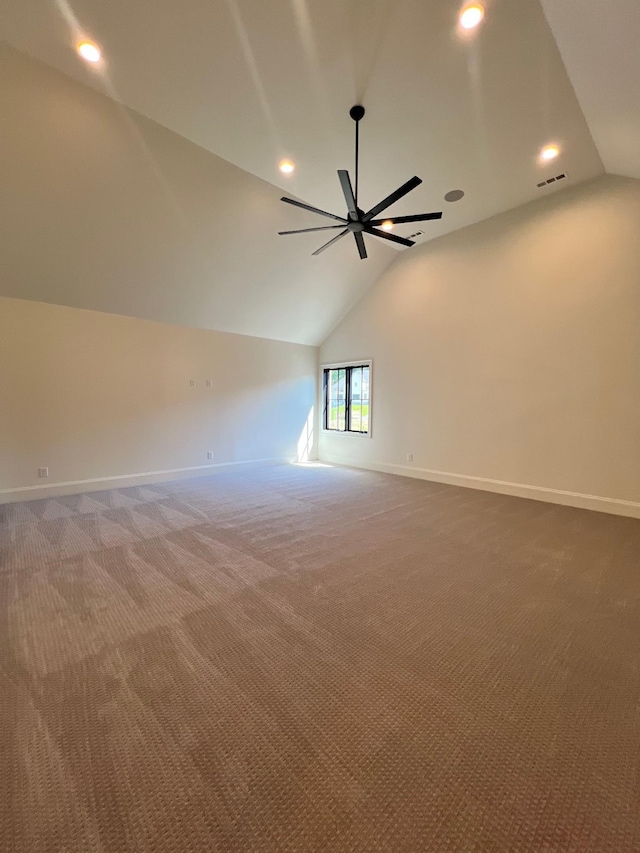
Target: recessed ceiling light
[549, 152]
[286, 167]
[387, 225]
[89, 51]
[471, 17]
[454, 195]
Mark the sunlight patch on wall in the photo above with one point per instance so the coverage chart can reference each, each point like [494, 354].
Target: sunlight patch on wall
[305, 442]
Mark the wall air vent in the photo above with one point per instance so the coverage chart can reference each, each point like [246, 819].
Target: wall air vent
[551, 180]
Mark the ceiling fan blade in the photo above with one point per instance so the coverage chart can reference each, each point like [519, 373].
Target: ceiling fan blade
[398, 220]
[392, 237]
[333, 240]
[305, 230]
[347, 189]
[313, 209]
[390, 199]
[361, 246]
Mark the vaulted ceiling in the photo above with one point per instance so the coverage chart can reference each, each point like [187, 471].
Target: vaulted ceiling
[600, 45]
[102, 208]
[249, 83]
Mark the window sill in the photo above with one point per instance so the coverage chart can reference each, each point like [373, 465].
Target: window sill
[345, 432]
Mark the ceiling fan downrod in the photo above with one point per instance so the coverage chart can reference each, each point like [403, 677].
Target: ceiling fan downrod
[357, 114]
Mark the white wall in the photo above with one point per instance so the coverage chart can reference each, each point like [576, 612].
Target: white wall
[93, 396]
[510, 352]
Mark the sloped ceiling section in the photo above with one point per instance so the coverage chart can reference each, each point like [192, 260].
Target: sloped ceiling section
[103, 209]
[254, 81]
[600, 43]
[149, 186]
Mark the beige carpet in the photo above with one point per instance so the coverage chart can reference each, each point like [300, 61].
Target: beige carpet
[300, 659]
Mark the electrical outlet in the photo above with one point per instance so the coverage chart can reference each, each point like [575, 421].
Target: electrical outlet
[192, 383]
[209, 454]
[43, 472]
[409, 457]
[208, 383]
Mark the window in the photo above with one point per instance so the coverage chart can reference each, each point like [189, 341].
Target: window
[347, 398]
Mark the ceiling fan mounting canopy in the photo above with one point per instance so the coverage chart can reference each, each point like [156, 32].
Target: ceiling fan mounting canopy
[357, 222]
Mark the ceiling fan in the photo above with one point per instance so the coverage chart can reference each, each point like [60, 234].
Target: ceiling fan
[357, 222]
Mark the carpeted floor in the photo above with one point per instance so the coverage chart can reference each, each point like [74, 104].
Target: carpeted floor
[317, 659]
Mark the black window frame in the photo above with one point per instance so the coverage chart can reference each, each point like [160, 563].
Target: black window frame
[348, 368]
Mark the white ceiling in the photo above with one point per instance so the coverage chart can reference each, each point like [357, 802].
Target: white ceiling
[253, 81]
[256, 80]
[600, 43]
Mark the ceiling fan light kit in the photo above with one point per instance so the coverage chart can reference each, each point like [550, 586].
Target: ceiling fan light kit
[358, 222]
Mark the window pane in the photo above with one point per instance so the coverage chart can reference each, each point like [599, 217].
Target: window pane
[332, 399]
[352, 414]
[364, 424]
[342, 397]
[356, 399]
[336, 395]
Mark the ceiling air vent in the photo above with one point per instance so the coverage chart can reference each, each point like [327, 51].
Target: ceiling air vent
[551, 180]
[415, 234]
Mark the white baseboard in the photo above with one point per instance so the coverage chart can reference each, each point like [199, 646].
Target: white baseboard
[614, 506]
[73, 487]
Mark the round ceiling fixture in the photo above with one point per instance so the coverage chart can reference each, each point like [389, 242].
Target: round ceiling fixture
[471, 17]
[549, 152]
[286, 167]
[454, 195]
[89, 51]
